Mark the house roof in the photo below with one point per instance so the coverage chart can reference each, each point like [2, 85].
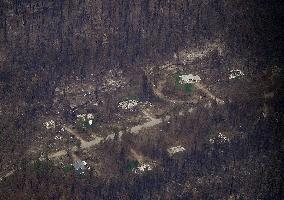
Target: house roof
[189, 78]
[80, 166]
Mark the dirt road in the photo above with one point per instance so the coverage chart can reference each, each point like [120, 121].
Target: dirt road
[74, 133]
[7, 174]
[139, 157]
[188, 57]
[158, 92]
[201, 87]
[153, 122]
[85, 144]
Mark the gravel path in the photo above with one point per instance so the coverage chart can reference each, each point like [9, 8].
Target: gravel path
[201, 87]
[85, 144]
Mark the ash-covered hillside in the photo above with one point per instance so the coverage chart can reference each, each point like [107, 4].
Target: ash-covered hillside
[149, 99]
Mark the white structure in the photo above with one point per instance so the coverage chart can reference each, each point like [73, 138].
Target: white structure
[80, 166]
[189, 78]
[235, 73]
[174, 150]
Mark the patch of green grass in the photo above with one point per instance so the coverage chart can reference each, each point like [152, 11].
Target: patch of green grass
[188, 88]
[132, 164]
[68, 168]
[177, 80]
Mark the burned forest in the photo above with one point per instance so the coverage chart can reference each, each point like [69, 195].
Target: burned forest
[141, 100]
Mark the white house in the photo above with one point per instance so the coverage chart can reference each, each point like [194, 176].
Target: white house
[189, 78]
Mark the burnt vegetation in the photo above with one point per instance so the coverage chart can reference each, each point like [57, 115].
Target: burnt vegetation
[50, 44]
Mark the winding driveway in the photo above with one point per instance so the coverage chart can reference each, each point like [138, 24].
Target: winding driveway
[200, 86]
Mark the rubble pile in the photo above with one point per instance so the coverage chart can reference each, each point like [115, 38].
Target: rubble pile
[128, 104]
[221, 138]
[113, 81]
[144, 167]
[49, 124]
[235, 73]
[86, 117]
[174, 150]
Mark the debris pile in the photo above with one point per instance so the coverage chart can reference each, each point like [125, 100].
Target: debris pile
[144, 167]
[174, 150]
[42, 157]
[190, 110]
[188, 56]
[86, 117]
[58, 137]
[128, 104]
[84, 121]
[169, 67]
[49, 124]
[58, 91]
[113, 81]
[75, 94]
[145, 104]
[221, 138]
[235, 73]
